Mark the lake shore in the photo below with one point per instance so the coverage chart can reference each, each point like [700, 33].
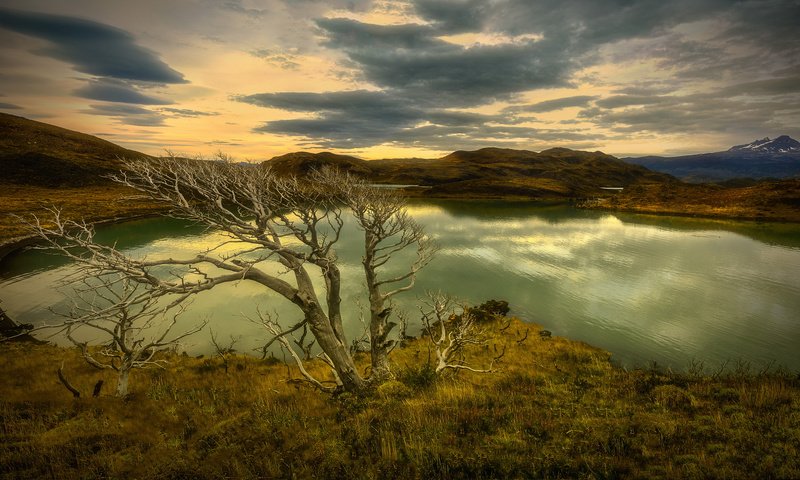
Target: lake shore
[552, 408]
[95, 204]
[764, 202]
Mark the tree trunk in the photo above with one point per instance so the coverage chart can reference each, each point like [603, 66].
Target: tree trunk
[379, 328]
[337, 351]
[122, 381]
[379, 325]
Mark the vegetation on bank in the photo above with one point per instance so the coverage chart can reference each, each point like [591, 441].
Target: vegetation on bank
[775, 200]
[92, 203]
[553, 408]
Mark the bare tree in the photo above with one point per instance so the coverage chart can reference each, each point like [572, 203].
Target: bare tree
[450, 332]
[224, 351]
[131, 320]
[267, 221]
[388, 230]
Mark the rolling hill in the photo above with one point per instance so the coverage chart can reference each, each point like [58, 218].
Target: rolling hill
[40, 154]
[488, 172]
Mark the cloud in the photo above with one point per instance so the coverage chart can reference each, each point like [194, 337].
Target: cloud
[586, 23]
[690, 114]
[617, 101]
[9, 106]
[283, 59]
[236, 6]
[91, 47]
[770, 87]
[110, 90]
[411, 59]
[188, 113]
[118, 110]
[552, 105]
[361, 118]
[454, 16]
[128, 114]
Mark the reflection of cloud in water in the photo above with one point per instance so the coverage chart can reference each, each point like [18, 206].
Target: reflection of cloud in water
[643, 291]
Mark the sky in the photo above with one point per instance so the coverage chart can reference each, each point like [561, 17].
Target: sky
[405, 78]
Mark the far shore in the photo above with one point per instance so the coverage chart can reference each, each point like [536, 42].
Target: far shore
[112, 204]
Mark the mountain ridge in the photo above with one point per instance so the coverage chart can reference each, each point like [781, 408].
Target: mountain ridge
[782, 144]
[757, 160]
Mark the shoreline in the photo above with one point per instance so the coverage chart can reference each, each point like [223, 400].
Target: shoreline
[9, 245]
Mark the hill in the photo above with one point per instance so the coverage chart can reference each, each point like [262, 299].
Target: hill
[301, 163]
[760, 159]
[40, 154]
[489, 172]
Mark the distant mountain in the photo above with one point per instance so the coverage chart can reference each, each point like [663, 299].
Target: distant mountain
[558, 172]
[761, 159]
[36, 153]
[782, 144]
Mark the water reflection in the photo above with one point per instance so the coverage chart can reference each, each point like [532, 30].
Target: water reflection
[663, 289]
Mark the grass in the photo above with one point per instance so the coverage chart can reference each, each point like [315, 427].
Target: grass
[555, 408]
[93, 203]
[776, 200]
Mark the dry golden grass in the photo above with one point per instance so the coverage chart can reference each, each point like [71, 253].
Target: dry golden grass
[92, 203]
[553, 409]
[767, 200]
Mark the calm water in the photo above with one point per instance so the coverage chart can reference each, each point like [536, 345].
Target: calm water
[645, 288]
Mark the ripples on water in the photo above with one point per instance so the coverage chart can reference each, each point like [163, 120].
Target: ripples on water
[665, 290]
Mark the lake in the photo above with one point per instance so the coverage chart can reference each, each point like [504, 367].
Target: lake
[664, 289]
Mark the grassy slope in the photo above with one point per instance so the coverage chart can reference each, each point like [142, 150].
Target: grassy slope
[44, 165]
[39, 154]
[554, 409]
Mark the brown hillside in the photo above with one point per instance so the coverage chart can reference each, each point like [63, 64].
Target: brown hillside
[489, 172]
[36, 153]
[301, 163]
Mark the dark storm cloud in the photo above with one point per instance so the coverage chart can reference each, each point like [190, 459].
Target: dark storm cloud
[770, 23]
[454, 16]
[586, 23]
[363, 118]
[110, 90]
[771, 87]
[346, 33]
[91, 47]
[375, 106]
[410, 59]
[413, 61]
[423, 77]
[695, 113]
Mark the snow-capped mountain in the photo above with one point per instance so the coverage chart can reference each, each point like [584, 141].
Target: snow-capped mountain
[782, 144]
